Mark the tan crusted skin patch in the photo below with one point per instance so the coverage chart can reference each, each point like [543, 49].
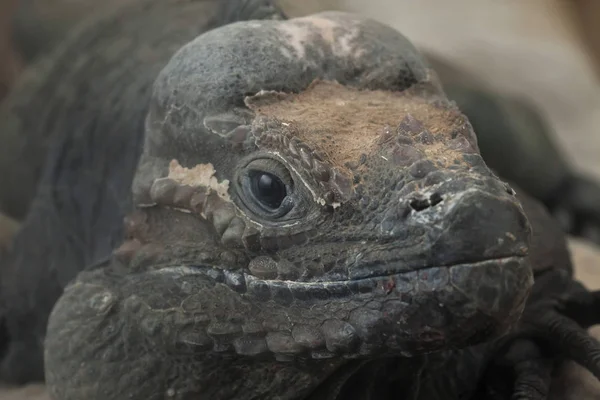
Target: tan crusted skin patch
[344, 122]
[200, 175]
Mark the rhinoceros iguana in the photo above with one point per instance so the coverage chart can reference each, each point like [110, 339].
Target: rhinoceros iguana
[311, 219]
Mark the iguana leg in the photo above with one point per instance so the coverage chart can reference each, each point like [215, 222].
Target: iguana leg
[523, 365]
[528, 370]
[553, 326]
[583, 307]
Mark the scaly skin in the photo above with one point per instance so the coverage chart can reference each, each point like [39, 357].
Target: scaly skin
[393, 240]
[397, 241]
[93, 130]
[89, 99]
[396, 262]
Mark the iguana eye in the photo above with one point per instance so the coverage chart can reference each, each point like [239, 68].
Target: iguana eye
[268, 189]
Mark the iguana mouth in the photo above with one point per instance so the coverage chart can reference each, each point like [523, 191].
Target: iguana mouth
[488, 273]
[410, 313]
[428, 279]
[389, 269]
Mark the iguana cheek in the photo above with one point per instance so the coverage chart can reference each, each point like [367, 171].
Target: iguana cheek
[196, 190]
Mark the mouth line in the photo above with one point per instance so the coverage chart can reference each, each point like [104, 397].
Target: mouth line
[426, 279]
[380, 270]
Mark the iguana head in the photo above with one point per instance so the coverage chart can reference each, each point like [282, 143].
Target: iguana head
[307, 193]
[328, 219]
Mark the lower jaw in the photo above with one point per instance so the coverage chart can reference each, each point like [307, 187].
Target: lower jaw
[405, 314]
[416, 312]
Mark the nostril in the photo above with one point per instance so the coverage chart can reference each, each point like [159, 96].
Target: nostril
[419, 204]
[423, 204]
[435, 199]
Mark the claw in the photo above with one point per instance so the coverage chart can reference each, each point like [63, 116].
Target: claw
[521, 372]
[553, 329]
[532, 381]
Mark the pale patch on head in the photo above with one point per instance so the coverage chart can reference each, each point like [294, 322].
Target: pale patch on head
[300, 32]
[202, 175]
[296, 36]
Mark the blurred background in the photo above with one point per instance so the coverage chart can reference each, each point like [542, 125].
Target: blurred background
[546, 52]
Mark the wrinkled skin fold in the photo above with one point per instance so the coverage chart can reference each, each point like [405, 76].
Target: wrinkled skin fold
[313, 220]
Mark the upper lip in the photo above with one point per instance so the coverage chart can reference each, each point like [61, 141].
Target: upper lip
[392, 268]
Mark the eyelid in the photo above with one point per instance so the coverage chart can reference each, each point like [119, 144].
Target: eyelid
[273, 167]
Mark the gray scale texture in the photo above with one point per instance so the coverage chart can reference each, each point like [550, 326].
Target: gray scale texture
[207, 300]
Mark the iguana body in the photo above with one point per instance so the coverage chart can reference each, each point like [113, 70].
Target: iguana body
[393, 239]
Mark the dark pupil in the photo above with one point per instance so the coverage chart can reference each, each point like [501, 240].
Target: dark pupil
[268, 189]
